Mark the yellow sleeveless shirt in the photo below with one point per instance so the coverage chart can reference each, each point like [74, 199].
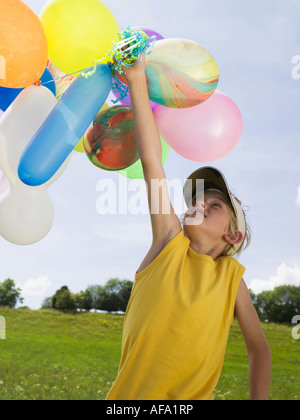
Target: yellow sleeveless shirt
[176, 325]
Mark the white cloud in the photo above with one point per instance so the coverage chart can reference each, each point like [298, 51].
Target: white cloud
[37, 287]
[285, 275]
[298, 197]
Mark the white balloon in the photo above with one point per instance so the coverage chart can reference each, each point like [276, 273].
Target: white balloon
[4, 184]
[26, 213]
[25, 216]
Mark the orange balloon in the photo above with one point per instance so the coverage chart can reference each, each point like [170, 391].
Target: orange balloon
[23, 45]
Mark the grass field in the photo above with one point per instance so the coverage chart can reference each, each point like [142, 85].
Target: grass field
[49, 355]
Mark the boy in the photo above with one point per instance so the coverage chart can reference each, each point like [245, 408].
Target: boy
[188, 286]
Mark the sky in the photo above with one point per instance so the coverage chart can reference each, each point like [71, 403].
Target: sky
[257, 47]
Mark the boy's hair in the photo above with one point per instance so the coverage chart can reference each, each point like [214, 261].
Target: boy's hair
[232, 227]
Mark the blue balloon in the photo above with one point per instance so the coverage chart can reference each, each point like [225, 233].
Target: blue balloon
[64, 127]
[8, 95]
[48, 81]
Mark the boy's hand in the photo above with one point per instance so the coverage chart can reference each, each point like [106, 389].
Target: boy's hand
[135, 72]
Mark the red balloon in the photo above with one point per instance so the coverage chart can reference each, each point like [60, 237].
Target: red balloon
[110, 142]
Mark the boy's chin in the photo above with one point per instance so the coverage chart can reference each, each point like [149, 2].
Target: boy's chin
[194, 221]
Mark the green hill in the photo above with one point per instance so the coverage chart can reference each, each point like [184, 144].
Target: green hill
[48, 355]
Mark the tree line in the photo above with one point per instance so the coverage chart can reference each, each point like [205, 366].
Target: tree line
[112, 297]
[279, 305]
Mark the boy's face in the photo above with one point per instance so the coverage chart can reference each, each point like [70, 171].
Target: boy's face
[208, 217]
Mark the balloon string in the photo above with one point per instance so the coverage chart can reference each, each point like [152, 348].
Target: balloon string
[137, 44]
[62, 77]
[117, 86]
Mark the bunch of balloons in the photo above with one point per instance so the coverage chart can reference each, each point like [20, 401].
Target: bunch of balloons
[26, 213]
[56, 73]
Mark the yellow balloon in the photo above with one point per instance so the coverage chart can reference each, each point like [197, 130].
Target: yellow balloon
[78, 32]
[79, 147]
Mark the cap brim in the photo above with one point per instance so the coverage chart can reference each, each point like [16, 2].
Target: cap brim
[213, 179]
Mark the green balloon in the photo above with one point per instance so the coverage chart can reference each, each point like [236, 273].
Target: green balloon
[135, 171]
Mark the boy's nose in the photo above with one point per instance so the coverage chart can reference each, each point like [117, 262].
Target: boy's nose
[198, 205]
[201, 204]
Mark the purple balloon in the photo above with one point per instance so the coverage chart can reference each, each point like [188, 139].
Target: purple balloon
[150, 33]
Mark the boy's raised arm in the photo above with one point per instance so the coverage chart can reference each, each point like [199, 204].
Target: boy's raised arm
[147, 134]
[165, 223]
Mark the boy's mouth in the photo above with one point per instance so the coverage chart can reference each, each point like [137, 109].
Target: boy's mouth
[196, 213]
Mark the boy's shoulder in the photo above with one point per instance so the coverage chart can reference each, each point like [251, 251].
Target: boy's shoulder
[228, 262]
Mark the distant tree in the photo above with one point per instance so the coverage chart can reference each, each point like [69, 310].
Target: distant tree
[63, 300]
[125, 293]
[9, 294]
[95, 292]
[112, 297]
[83, 300]
[116, 294]
[47, 303]
[279, 305]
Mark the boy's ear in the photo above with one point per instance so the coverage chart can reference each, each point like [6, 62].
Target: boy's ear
[234, 239]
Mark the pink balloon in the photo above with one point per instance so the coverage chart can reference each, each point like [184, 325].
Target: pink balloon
[202, 133]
